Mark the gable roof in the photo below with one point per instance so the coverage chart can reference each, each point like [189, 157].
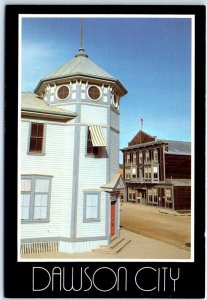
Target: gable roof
[141, 137]
[115, 184]
[178, 147]
[33, 105]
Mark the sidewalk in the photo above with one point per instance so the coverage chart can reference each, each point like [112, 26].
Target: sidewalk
[139, 248]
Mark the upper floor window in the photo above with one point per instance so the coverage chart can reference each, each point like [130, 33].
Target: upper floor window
[96, 142]
[147, 173]
[127, 173]
[36, 138]
[128, 158]
[155, 155]
[94, 93]
[63, 92]
[147, 156]
[155, 173]
[140, 157]
[134, 157]
[35, 198]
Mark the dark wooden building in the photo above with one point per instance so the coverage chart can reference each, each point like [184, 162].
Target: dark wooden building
[158, 172]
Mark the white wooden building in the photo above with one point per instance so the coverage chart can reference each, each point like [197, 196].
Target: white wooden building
[70, 179]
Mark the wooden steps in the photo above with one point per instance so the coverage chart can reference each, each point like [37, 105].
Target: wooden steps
[116, 245]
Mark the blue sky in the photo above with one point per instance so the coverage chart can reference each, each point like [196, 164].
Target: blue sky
[150, 56]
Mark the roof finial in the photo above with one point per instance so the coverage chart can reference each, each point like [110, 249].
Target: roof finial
[81, 50]
[81, 33]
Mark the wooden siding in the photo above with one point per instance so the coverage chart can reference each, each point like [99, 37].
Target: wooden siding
[182, 198]
[80, 246]
[178, 166]
[114, 152]
[59, 144]
[93, 115]
[114, 120]
[161, 164]
[92, 175]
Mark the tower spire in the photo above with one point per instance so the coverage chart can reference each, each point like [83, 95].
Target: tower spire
[81, 50]
[81, 33]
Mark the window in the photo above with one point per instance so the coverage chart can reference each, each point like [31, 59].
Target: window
[153, 196]
[36, 138]
[134, 172]
[35, 197]
[131, 194]
[147, 173]
[147, 156]
[128, 158]
[127, 173]
[94, 93]
[140, 157]
[168, 195]
[155, 155]
[96, 142]
[115, 98]
[91, 207]
[134, 157]
[91, 150]
[155, 173]
[63, 92]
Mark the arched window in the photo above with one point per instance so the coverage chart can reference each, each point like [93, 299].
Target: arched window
[134, 157]
[128, 158]
[155, 155]
[147, 156]
[140, 157]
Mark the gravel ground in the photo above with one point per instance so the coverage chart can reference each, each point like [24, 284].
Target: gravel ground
[163, 225]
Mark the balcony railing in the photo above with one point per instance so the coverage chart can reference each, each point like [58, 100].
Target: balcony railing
[151, 162]
[142, 180]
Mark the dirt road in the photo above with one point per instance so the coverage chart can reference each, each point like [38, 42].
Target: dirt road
[148, 221]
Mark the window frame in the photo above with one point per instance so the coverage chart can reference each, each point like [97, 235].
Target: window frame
[155, 155]
[58, 88]
[98, 218]
[97, 152]
[140, 157]
[32, 194]
[42, 152]
[100, 93]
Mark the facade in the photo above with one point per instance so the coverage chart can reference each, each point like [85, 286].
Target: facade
[158, 172]
[70, 182]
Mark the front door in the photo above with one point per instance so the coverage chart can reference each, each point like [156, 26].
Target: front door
[112, 218]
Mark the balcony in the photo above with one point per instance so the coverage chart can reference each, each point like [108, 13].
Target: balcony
[141, 180]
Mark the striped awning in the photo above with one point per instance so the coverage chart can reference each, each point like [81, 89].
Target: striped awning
[97, 136]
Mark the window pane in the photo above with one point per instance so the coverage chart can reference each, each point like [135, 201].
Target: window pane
[32, 144]
[91, 206]
[40, 213]
[25, 185]
[39, 144]
[34, 129]
[25, 202]
[42, 185]
[25, 213]
[40, 130]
